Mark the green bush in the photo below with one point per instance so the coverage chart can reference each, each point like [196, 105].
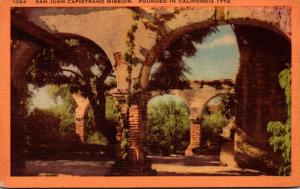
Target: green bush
[43, 135]
[42, 127]
[280, 132]
[93, 136]
[168, 124]
[212, 125]
[65, 110]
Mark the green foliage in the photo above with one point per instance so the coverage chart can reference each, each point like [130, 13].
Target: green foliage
[111, 116]
[280, 132]
[65, 110]
[123, 116]
[83, 66]
[96, 138]
[285, 83]
[227, 105]
[43, 128]
[214, 122]
[168, 123]
[212, 125]
[172, 69]
[111, 110]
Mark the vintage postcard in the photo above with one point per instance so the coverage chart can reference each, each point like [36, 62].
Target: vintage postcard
[149, 93]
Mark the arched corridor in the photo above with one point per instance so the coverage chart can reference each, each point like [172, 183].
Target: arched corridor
[262, 40]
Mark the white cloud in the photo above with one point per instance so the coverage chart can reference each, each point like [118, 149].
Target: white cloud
[225, 39]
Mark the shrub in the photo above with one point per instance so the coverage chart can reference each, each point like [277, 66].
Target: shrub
[167, 126]
[212, 125]
[44, 138]
[42, 127]
[280, 132]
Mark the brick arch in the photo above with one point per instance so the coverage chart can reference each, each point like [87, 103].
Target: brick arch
[109, 33]
[82, 103]
[89, 42]
[257, 87]
[195, 100]
[276, 19]
[195, 122]
[29, 43]
[206, 103]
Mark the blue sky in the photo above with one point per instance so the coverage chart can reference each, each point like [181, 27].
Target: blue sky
[216, 58]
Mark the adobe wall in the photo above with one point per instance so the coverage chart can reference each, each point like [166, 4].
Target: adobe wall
[263, 54]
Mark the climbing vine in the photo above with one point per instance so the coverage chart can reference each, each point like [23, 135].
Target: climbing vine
[131, 61]
[281, 132]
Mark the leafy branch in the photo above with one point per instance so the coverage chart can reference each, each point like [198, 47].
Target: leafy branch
[281, 132]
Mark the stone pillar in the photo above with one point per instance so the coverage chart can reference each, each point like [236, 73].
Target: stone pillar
[136, 141]
[81, 111]
[195, 138]
[120, 97]
[134, 163]
[22, 54]
[120, 69]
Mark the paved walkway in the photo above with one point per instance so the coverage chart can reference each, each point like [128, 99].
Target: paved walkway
[165, 166]
[201, 165]
[67, 167]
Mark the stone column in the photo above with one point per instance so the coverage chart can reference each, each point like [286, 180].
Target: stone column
[136, 154]
[21, 57]
[81, 111]
[134, 164]
[120, 97]
[195, 137]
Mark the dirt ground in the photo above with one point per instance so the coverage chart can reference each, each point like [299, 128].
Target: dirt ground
[204, 165]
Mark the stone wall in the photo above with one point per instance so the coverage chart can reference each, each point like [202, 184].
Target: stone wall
[260, 99]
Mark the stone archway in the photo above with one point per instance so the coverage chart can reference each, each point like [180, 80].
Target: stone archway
[253, 48]
[196, 99]
[263, 54]
[25, 45]
[276, 19]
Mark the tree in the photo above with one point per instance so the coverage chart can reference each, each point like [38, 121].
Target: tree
[213, 122]
[64, 110]
[227, 105]
[83, 66]
[167, 124]
[171, 70]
